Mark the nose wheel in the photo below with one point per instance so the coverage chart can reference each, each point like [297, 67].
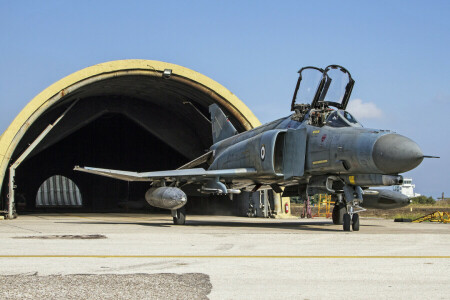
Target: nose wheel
[346, 222]
[355, 222]
[351, 221]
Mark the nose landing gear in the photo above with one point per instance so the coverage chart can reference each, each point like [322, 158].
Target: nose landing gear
[349, 218]
[352, 218]
[346, 212]
[351, 221]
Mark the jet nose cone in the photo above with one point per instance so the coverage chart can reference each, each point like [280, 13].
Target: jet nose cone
[394, 153]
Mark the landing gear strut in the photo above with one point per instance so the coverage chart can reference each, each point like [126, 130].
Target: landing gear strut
[179, 216]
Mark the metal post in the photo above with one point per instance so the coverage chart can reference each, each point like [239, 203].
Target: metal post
[277, 203]
[12, 169]
[11, 193]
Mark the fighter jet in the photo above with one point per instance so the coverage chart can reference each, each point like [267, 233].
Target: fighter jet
[319, 149]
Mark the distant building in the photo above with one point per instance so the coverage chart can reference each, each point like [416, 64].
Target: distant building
[407, 188]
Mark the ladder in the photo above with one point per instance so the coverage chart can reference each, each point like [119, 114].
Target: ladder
[324, 206]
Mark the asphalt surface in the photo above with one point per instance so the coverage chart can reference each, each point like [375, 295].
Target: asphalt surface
[131, 256]
[110, 286]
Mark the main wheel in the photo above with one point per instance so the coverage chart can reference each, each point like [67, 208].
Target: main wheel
[338, 213]
[346, 222]
[180, 219]
[355, 222]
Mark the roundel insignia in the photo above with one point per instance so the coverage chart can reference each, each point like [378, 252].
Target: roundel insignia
[263, 152]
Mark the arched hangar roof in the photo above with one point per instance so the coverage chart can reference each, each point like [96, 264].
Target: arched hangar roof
[138, 79]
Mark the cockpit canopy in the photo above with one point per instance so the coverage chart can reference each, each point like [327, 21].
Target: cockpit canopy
[325, 89]
[330, 87]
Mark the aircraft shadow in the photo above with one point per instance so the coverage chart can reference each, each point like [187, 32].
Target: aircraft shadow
[325, 226]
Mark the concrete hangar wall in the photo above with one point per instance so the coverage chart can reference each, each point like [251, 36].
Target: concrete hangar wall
[129, 114]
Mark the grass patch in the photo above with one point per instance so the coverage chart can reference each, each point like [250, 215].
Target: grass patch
[443, 204]
[411, 216]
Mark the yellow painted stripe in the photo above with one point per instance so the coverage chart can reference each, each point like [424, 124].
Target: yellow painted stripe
[229, 256]
[320, 162]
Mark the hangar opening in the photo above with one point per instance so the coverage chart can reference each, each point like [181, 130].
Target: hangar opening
[128, 115]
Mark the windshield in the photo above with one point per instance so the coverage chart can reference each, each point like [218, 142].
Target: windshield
[341, 118]
[350, 118]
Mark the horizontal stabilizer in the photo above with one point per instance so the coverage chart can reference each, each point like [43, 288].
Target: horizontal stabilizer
[198, 161]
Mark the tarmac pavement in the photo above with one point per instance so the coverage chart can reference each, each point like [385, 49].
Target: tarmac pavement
[220, 257]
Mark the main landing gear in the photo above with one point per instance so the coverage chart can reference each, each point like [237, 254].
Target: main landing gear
[179, 216]
[338, 213]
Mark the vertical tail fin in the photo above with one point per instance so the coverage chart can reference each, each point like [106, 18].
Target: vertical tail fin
[221, 126]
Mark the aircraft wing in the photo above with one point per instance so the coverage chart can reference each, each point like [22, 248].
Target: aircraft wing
[197, 174]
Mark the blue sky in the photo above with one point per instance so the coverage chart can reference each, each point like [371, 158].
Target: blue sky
[397, 51]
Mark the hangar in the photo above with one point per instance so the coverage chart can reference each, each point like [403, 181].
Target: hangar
[127, 114]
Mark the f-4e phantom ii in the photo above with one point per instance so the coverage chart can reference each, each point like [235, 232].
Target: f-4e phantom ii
[320, 148]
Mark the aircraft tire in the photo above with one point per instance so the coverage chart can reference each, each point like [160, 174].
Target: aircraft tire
[355, 222]
[338, 214]
[180, 219]
[347, 221]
